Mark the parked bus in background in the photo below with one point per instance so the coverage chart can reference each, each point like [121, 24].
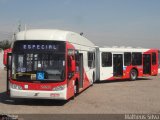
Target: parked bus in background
[6, 51]
[126, 63]
[50, 64]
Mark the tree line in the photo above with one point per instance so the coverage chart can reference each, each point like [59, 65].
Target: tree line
[5, 44]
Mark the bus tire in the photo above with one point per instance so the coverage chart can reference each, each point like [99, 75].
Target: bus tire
[133, 74]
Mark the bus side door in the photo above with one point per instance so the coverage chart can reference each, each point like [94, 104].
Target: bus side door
[117, 65]
[147, 63]
[154, 64]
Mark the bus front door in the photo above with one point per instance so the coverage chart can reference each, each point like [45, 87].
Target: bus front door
[146, 64]
[81, 70]
[117, 65]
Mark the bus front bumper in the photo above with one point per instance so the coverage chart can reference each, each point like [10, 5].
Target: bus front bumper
[34, 94]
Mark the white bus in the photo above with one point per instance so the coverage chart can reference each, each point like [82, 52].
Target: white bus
[50, 64]
[125, 63]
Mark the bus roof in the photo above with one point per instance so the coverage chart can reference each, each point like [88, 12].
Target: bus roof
[120, 49]
[53, 34]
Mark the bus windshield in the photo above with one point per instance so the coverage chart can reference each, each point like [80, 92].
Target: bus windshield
[41, 65]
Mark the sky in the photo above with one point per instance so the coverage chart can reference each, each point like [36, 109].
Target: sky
[133, 23]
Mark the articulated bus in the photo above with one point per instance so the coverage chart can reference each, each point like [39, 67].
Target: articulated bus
[50, 64]
[126, 63]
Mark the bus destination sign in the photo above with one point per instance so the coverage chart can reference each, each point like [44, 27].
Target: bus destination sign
[40, 47]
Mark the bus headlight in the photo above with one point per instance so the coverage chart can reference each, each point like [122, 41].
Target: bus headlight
[14, 86]
[58, 88]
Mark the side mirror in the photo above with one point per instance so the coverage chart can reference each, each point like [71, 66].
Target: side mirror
[73, 65]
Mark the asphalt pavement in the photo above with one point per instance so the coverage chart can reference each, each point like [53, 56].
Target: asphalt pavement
[115, 97]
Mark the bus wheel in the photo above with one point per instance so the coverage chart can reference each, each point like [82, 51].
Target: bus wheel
[133, 74]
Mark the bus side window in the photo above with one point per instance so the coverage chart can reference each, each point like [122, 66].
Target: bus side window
[127, 58]
[106, 59]
[154, 61]
[91, 59]
[136, 58]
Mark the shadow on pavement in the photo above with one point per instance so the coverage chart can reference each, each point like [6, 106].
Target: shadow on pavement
[5, 99]
[124, 80]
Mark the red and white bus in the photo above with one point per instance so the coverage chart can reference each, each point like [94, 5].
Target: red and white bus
[6, 51]
[50, 64]
[126, 63]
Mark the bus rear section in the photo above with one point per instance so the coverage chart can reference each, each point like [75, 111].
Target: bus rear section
[126, 63]
[150, 62]
[46, 69]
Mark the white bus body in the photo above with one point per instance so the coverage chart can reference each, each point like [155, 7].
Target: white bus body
[106, 70]
[78, 49]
